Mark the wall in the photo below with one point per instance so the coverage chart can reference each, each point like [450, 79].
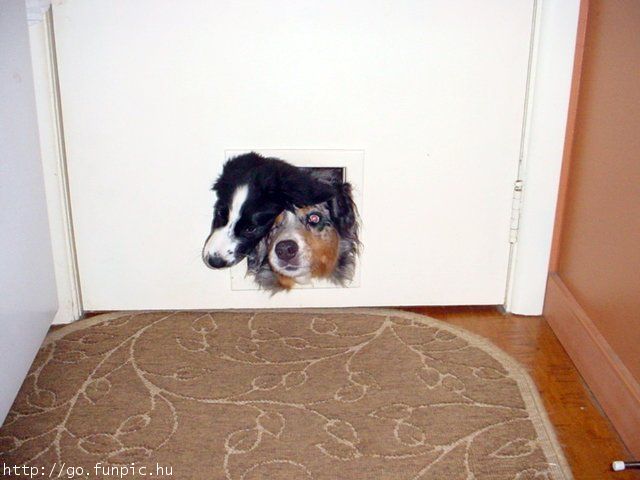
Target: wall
[28, 301]
[594, 296]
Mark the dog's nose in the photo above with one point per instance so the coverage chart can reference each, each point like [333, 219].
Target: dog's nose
[286, 249]
[215, 261]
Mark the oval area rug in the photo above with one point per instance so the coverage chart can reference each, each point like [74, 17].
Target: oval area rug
[306, 394]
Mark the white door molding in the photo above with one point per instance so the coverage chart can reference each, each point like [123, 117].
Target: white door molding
[54, 167]
[550, 79]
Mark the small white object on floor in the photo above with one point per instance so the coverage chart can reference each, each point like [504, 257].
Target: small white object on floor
[618, 466]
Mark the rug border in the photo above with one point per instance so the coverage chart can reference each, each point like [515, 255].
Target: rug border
[551, 447]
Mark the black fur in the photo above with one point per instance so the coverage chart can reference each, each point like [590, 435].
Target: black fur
[344, 213]
[272, 180]
[274, 186]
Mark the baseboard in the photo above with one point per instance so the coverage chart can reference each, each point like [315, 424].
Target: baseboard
[617, 391]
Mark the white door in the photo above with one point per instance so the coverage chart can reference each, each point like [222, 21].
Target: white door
[28, 297]
[424, 99]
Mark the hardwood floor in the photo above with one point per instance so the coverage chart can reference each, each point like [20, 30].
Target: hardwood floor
[589, 441]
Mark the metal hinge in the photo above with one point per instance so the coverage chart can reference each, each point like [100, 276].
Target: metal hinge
[516, 205]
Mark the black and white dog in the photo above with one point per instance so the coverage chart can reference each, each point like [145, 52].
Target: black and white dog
[251, 192]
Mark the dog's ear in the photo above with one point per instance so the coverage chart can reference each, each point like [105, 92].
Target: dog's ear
[344, 213]
[299, 188]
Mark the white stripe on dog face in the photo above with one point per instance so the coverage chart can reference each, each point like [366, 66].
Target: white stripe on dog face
[289, 229]
[222, 242]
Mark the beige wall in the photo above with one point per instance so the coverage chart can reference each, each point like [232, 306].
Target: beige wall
[599, 248]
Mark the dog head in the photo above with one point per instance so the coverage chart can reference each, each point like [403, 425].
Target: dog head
[251, 192]
[317, 241]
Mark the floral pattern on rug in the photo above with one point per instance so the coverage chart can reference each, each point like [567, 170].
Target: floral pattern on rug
[322, 395]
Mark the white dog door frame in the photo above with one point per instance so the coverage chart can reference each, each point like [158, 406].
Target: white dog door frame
[352, 163]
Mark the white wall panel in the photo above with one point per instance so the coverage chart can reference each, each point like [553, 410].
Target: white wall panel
[28, 297]
[155, 92]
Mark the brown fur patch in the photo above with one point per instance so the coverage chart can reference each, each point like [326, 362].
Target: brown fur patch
[324, 248]
[286, 282]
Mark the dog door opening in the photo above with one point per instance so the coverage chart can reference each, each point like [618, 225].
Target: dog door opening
[330, 166]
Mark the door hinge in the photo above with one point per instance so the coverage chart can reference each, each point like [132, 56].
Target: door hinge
[516, 206]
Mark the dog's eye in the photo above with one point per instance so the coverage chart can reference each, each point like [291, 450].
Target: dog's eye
[250, 230]
[314, 218]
